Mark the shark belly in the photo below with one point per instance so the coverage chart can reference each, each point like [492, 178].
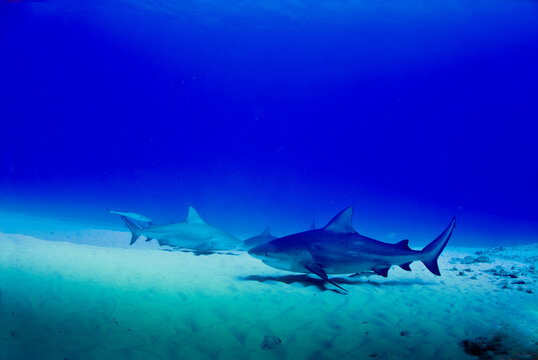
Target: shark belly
[192, 240]
[348, 266]
[366, 261]
[177, 239]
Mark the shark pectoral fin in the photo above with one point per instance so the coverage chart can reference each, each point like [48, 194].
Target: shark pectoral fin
[406, 266]
[318, 270]
[382, 270]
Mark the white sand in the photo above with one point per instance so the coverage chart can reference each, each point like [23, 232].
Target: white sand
[64, 300]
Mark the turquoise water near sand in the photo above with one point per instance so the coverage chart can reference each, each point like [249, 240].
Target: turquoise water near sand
[62, 300]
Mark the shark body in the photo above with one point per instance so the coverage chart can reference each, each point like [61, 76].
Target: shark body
[193, 234]
[339, 249]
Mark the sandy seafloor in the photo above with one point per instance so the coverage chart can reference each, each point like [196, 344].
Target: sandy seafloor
[63, 300]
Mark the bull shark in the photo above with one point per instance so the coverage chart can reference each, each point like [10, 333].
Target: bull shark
[262, 238]
[131, 215]
[265, 237]
[339, 249]
[193, 234]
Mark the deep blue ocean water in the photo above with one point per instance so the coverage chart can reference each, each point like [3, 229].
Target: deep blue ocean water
[274, 113]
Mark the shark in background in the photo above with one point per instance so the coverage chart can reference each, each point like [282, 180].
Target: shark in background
[132, 215]
[339, 249]
[265, 237]
[262, 238]
[192, 234]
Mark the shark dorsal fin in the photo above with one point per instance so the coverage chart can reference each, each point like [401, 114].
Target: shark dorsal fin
[404, 244]
[342, 223]
[267, 231]
[193, 217]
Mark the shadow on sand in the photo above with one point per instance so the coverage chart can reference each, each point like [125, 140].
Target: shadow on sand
[198, 253]
[322, 285]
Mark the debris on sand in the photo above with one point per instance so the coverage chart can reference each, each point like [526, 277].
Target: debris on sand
[504, 284]
[467, 260]
[270, 342]
[502, 272]
[485, 348]
[470, 260]
[499, 346]
[482, 259]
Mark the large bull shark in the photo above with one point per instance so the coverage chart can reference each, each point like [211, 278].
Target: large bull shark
[339, 249]
[193, 234]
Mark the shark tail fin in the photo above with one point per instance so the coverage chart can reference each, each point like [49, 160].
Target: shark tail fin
[135, 230]
[431, 252]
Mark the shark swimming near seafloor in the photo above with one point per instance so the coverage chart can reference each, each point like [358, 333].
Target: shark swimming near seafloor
[339, 249]
[192, 234]
[131, 215]
[264, 237]
[259, 239]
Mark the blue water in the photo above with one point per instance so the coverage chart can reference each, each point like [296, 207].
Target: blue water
[275, 112]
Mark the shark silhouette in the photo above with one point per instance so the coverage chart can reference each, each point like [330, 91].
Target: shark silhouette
[262, 238]
[193, 234]
[339, 249]
[132, 215]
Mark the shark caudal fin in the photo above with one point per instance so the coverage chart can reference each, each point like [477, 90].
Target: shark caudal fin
[135, 230]
[431, 252]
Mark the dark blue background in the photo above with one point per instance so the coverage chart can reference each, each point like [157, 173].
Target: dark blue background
[272, 113]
